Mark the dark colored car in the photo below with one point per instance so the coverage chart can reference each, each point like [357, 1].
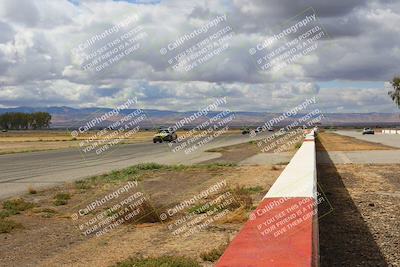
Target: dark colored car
[368, 131]
[246, 131]
[165, 135]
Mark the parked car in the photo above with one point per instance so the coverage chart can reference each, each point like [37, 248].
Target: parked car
[165, 135]
[4, 130]
[368, 131]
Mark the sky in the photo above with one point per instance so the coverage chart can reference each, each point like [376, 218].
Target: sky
[43, 58]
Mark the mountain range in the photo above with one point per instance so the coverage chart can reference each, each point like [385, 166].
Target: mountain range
[68, 117]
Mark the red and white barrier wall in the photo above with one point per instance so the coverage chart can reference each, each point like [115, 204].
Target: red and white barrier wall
[283, 230]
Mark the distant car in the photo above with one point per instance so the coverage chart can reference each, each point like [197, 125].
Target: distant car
[368, 131]
[165, 135]
[246, 131]
[4, 130]
[258, 129]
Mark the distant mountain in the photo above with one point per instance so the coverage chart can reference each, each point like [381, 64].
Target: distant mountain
[67, 117]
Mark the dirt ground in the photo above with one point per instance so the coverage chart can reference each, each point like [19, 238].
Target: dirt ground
[360, 230]
[29, 141]
[56, 240]
[363, 227]
[235, 153]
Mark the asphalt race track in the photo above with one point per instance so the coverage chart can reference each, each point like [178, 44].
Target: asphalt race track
[49, 168]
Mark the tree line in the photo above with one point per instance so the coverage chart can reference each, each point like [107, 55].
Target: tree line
[24, 121]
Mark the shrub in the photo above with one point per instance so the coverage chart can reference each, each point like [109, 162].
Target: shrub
[253, 190]
[214, 254]
[32, 191]
[243, 196]
[7, 226]
[61, 199]
[15, 206]
[274, 168]
[164, 261]
[82, 184]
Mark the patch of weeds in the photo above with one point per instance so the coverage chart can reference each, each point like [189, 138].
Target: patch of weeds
[252, 142]
[239, 215]
[83, 184]
[243, 196]
[164, 261]
[111, 213]
[298, 145]
[204, 208]
[147, 214]
[214, 254]
[214, 150]
[283, 163]
[5, 213]
[61, 199]
[7, 226]
[150, 166]
[15, 206]
[142, 213]
[217, 165]
[47, 213]
[133, 173]
[32, 190]
[253, 190]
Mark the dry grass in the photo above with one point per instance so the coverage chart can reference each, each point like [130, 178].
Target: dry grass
[336, 142]
[164, 261]
[214, 254]
[30, 141]
[6, 226]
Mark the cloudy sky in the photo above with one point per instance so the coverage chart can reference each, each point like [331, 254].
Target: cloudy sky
[43, 54]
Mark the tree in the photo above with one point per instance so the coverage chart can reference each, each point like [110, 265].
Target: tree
[42, 119]
[19, 120]
[395, 93]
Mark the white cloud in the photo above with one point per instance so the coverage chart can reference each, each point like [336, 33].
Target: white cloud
[37, 66]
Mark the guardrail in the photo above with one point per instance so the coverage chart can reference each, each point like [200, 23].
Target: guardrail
[283, 230]
[391, 131]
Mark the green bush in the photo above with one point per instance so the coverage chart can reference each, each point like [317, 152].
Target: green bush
[61, 199]
[15, 206]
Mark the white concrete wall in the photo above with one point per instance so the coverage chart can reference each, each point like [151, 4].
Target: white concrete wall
[390, 131]
[299, 178]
